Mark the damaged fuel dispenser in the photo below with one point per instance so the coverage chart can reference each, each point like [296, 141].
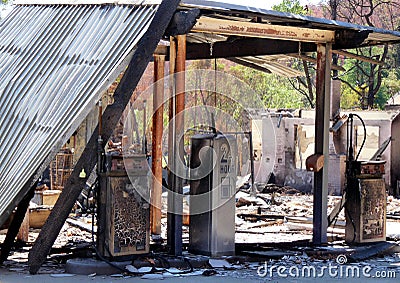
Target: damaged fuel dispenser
[123, 213]
[365, 195]
[212, 194]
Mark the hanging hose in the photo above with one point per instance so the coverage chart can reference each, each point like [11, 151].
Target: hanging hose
[350, 150]
[365, 135]
[352, 165]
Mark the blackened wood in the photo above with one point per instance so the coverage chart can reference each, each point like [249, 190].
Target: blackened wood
[144, 52]
[15, 224]
[235, 47]
[322, 115]
[182, 22]
[240, 47]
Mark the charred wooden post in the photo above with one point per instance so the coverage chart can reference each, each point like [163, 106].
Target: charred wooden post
[15, 224]
[171, 141]
[175, 200]
[322, 117]
[158, 111]
[111, 116]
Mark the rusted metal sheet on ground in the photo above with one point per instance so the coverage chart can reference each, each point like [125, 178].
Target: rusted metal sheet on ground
[55, 61]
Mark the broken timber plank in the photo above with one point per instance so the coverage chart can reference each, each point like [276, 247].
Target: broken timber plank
[336, 209]
[143, 54]
[365, 252]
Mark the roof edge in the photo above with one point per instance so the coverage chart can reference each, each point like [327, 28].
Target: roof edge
[87, 2]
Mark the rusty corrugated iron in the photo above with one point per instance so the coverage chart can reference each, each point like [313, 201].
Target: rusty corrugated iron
[55, 62]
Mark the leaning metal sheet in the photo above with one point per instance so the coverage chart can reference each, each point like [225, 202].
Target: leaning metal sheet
[55, 61]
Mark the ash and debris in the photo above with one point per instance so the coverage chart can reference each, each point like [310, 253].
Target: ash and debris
[276, 215]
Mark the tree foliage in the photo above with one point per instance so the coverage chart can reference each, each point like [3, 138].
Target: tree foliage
[274, 91]
[364, 84]
[368, 83]
[290, 6]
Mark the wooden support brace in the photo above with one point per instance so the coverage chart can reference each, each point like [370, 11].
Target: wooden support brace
[143, 54]
[315, 162]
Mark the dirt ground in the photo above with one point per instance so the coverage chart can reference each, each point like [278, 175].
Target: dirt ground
[270, 219]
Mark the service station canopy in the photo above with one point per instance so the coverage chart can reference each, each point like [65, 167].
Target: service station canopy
[56, 58]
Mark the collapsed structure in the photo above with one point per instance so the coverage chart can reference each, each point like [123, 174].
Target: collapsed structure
[58, 58]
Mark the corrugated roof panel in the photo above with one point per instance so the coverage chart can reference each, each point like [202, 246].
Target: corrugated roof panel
[241, 9]
[55, 61]
[273, 66]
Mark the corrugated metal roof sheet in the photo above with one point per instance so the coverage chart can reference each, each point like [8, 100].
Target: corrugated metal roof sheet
[273, 66]
[243, 10]
[55, 61]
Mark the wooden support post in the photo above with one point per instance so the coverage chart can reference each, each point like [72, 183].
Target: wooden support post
[175, 198]
[143, 54]
[158, 110]
[171, 144]
[23, 233]
[15, 224]
[322, 117]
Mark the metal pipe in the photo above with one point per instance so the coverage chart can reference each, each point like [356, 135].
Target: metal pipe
[144, 139]
[158, 110]
[100, 145]
[253, 190]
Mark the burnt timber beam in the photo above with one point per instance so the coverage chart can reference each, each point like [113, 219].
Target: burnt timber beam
[182, 22]
[242, 47]
[314, 60]
[236, 47]
[262, 30]
[322, 117]
[143, 54]
[359, 57]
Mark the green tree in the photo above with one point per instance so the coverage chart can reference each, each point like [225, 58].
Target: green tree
[304, 85]
[367, 80]
[290, 6]
[275, 91]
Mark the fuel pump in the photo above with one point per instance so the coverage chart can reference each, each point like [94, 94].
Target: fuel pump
[212, 189]
[365, 193]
